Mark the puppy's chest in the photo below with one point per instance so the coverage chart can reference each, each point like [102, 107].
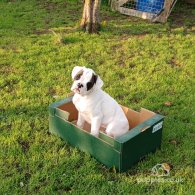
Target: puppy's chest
[83, 106]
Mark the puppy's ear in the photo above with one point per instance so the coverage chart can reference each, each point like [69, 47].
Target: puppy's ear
[92, 82]
[77, 70]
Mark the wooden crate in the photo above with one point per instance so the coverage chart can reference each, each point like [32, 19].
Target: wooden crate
[122, 152]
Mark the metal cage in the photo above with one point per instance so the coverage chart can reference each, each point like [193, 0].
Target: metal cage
[154, 10]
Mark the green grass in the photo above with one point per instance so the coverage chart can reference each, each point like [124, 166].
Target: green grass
[142, 65]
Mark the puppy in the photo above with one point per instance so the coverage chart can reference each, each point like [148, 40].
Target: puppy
[95, 106]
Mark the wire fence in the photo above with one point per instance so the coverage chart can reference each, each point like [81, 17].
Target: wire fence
[151, 6]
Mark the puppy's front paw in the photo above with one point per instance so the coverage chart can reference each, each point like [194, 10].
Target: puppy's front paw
[79, 124]
[95, 134]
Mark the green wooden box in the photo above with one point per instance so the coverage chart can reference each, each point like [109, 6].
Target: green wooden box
[144, 136]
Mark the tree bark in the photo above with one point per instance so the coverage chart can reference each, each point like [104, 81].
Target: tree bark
[91, 20]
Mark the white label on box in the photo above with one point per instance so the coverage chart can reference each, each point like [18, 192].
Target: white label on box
[157, 127]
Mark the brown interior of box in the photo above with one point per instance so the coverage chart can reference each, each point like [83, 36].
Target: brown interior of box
[135, 118]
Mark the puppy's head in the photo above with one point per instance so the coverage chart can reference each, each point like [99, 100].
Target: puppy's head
[85, 80]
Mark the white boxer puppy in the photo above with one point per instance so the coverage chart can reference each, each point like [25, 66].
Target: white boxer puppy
[95, 106]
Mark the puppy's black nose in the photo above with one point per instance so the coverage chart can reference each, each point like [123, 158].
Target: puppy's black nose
[79, 85]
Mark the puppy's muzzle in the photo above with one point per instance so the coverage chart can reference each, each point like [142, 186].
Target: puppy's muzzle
[76, 88]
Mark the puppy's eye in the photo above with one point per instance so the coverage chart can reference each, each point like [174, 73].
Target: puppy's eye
[77, 77]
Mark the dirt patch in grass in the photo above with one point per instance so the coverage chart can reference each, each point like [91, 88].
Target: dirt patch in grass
[184, 16]
[7, 69]
[25, 145]
[174, 63]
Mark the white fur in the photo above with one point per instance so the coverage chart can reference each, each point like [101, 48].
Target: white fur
[96, 107]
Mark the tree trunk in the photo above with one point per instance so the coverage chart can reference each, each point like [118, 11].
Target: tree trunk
[90, 19]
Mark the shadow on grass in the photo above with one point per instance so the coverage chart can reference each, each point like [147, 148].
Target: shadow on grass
[183, 15]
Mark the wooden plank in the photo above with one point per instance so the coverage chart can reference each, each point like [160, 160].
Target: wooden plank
[132, 12]
[165, 13]
[122, 2]
[172, 6]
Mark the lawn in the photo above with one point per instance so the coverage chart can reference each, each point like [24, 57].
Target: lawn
[142, 64]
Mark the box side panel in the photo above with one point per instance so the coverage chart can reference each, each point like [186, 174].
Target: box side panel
[138, 129]
[99, 149]
[70, 108]
[54, 105]
[143, 143]
[69, 113]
